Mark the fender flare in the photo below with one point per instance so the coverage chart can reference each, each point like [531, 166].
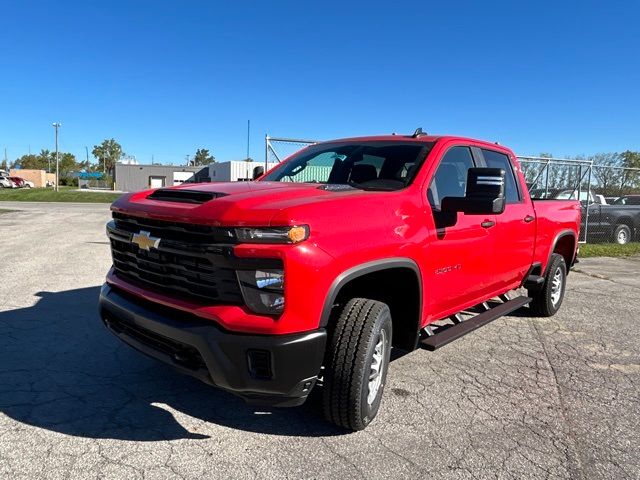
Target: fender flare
[364, 269]
[562, 234]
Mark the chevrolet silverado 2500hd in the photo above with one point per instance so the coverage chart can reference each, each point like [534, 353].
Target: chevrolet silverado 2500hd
[314, 271]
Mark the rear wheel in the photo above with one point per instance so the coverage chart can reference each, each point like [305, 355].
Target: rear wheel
[622, 234]
[357, 363]
[547, 300]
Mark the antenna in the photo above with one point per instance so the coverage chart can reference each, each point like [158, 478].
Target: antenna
[418, 133]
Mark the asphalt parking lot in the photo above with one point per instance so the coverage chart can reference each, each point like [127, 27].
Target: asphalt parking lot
[520, 398]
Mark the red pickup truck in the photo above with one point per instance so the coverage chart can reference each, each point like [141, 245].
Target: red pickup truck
[310, 274]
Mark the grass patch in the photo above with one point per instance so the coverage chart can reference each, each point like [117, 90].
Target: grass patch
[609, 250]
[66, 194]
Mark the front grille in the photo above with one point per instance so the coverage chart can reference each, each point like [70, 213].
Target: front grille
[198, 267]
[175, 273]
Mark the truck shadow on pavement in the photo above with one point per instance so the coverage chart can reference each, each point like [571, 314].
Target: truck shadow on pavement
[61, 370]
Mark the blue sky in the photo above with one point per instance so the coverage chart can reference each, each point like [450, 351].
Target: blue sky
[164, 78]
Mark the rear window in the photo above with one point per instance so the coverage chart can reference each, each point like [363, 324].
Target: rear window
[500, 160]
[627, 201]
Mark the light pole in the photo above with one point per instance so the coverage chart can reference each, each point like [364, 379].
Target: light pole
[57, 125]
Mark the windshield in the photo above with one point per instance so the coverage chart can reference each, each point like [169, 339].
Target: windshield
[368, 166]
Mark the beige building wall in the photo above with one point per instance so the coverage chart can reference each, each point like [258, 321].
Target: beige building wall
[38, 177]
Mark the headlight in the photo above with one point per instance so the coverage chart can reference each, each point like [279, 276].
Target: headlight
[273, 234]
[263, 290]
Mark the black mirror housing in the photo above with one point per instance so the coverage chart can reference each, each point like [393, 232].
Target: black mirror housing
[258, 172]
[484, 195]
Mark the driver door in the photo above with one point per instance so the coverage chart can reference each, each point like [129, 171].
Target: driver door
[458, 257]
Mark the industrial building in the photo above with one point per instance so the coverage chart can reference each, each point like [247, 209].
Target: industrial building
[234, 170]
[133, 178]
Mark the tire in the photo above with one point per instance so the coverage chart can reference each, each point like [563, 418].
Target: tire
[622, 235]
[547, 300]
[360, 346]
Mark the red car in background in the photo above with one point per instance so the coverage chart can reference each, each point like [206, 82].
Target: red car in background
[20, 182]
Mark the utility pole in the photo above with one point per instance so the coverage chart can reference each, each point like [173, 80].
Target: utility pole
[6, 164]
[248, 136]
[57, 125]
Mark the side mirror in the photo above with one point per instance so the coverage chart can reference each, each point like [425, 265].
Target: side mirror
[258, 172]
[484, 195]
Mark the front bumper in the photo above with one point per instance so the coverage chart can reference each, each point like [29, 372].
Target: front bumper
[277, 370]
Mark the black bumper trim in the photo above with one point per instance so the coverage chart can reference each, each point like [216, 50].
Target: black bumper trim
[200, 348]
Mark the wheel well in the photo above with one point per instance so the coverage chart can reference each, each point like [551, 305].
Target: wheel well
[565, 247]
[399, 288]
[628, 221]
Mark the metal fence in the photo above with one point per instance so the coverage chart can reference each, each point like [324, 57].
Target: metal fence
[609, 194]
[278, 149]
[601, 184]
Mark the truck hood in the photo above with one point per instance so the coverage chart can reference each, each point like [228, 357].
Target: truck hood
[236, 203]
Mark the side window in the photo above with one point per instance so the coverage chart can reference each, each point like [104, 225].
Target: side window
[500, 160]
[450, 179]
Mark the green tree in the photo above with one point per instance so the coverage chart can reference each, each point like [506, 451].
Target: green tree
[31, 162]
[67, 163]
[630, 178]
[108, 153]
[202, 157]
[46, 159]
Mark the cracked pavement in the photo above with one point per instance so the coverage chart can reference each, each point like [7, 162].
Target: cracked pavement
[519, 398]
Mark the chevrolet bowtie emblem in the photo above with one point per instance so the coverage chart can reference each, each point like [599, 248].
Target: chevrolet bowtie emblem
[145, 241]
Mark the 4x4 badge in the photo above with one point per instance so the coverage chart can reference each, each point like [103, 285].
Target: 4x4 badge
[145, 241]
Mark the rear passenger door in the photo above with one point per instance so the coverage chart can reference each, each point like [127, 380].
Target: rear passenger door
[515, 229]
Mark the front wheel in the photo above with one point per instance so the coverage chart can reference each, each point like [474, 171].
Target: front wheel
[622, 235]
[357, 363]
[546, 301]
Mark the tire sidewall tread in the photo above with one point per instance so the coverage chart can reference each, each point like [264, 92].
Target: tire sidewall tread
[349, 360]
[541, 303]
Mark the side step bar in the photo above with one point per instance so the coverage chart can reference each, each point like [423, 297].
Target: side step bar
[449, 334]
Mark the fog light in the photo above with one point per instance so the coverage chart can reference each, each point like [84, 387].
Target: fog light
[263, 290]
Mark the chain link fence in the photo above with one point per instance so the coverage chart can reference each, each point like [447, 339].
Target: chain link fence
[609, 193]
[278, 149]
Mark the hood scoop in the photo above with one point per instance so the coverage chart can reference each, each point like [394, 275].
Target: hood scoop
[183, 195]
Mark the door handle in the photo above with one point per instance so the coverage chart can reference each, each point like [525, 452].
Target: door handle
[487, 224]
[529, 218]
